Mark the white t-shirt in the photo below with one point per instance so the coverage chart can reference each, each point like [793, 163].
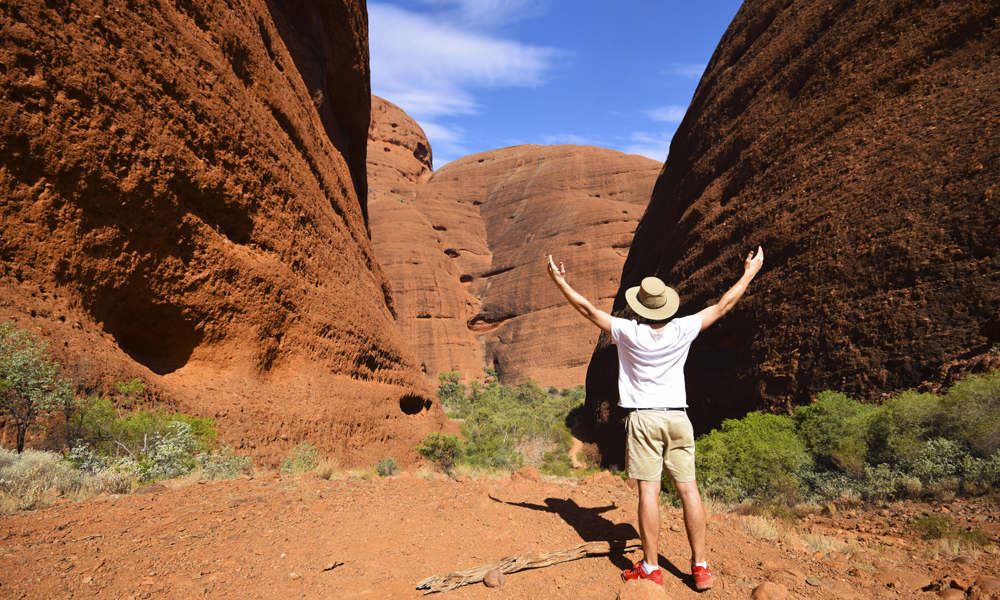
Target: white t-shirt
[651, 364]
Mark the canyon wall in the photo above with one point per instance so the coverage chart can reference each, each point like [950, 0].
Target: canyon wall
[858, 143]
[465, 248]
[183, 195]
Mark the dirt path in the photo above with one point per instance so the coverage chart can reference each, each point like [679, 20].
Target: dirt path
[304, 537]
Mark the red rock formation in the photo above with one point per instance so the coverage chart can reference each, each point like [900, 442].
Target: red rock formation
[173, 208]
[857, 142]
[465, 249]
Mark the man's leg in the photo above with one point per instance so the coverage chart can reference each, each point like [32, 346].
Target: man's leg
[649, 520]
[694, 518]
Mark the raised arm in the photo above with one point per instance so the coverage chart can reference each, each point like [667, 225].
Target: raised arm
[751, 266]
[597, 317]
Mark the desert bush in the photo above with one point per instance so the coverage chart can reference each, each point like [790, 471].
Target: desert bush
[897, 430]
[387, 467]
[833, 429]
[29, 380]
[499, 421]
[25, 478]
[760, 454]
[972, 409]
[224, 463]
[304, 457]
[441, 449]
[112, 431]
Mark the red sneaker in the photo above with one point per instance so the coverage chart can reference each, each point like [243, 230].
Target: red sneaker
[636, 572]
[703, 578]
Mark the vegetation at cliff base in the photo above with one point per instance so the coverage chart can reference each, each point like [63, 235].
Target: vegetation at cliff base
[505, 427]
[915, 445]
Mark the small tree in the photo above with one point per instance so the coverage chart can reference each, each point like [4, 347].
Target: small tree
[29, 380]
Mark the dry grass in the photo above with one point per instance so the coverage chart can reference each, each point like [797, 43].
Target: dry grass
[329, 468]
[480, 472]
[761, 527]
[33, 479]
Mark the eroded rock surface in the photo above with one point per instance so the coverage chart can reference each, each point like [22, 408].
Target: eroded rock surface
[180, 202]
[465, 249]
[858, 144]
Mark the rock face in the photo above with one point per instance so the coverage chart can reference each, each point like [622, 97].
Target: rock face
[857, 142]
[464, 249]
[180, 202]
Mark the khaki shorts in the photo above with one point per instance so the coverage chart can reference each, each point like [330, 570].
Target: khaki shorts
[657, 440]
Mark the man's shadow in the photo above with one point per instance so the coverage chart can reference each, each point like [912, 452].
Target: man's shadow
[588, 523]
[592, 527]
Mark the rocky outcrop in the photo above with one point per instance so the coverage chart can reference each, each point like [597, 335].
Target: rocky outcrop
[857, 143]
[180, 202]
[465, 249]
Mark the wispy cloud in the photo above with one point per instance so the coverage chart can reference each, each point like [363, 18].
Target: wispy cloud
[436, 65]
[650, 145]
[667, 114]
[569, 138]
[691, 70]
[487, 14]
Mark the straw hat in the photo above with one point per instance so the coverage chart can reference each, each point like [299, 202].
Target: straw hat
[653, 299]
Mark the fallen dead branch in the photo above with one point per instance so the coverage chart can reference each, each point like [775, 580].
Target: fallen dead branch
[512, 564]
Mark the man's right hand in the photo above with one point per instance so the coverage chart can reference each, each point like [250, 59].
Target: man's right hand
[753, 263]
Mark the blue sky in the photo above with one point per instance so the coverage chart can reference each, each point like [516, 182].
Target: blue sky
[484, 74]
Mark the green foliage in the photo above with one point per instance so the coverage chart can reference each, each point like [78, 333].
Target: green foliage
[897, 429]
[109, 431]
[387, 467]
[833, 429]
[223, 464]
[973, 408]
[758, 455]
[29, 380]
[938, 527]
[500, 421]
[441, 449]
[304, 458]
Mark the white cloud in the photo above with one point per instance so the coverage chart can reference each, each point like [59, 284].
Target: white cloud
[430, 68]
[488, 13]
[569, 138]
[691, 70]
[667, 114]
[650, 145]
[435, 66]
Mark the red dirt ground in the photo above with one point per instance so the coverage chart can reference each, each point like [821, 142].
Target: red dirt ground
[278, 537]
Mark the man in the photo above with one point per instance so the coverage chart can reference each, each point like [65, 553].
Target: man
[651, 359]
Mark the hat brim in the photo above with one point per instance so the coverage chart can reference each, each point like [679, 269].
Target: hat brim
[657, 314]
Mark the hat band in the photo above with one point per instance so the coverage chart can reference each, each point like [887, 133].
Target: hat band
[648, 305]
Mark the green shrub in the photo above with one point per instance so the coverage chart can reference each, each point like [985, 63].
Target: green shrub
[898, 429]
[938, 459]
[759, 455]
[387, 467]
[223, 464]
[498, 420]
[304, 458]
[111, 431]
[973, 413]
[441, 449]
[833, 429]
[29, 380]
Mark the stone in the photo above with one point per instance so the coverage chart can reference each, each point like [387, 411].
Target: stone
[861, 249]
[641, 589]
[464, 247]
[222, 254]
[951, 594]
[528, 473]
[769, 591]
[494, 579]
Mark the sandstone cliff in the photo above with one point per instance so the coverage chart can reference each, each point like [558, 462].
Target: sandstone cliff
[464, 248]
[857, 142]
[183, 200]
